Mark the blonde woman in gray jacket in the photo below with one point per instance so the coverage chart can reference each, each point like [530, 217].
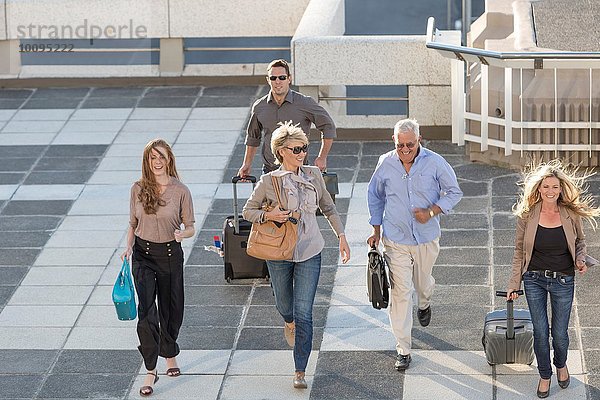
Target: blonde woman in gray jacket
[295, 281]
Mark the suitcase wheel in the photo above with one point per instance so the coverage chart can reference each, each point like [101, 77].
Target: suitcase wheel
[228, 272]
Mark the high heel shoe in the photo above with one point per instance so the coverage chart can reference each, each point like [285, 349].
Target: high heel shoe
[540, 394]
[148, 390]
[564, 384]
[173, 371]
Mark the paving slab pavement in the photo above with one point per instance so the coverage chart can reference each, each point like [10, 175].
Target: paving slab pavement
[64, 190]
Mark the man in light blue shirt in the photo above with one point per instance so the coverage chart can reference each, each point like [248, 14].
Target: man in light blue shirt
[410, 187]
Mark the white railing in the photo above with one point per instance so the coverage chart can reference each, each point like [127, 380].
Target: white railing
[472, 120]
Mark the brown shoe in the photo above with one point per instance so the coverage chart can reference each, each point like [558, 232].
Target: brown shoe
[300, 381]
[289, 334]
[148, 390]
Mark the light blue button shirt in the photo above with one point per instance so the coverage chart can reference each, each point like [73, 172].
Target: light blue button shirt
[393, 194]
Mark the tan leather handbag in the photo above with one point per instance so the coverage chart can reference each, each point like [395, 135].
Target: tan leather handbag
[273, 240]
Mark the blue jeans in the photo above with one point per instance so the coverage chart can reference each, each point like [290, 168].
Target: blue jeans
[537, 288]
[295, 286]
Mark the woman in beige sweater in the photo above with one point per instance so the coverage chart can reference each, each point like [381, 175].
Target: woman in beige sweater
[295, 281]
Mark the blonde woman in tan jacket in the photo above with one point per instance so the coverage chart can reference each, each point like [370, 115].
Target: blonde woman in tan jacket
[295, 281]
[549, 247]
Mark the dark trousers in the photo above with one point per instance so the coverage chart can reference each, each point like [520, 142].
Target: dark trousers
[158, 275]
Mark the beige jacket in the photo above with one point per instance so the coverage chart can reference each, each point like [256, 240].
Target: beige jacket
[264, 193]
[525, 238]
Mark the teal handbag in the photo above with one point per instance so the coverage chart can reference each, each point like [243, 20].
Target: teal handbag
[123, 294]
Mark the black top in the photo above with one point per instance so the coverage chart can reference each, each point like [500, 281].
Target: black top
[551, 252]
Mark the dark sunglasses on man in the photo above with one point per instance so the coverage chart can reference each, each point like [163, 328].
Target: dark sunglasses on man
[409, 145]
[275, 77]
[298, 149]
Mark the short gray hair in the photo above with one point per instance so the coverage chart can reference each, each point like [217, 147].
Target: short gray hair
[405, 126]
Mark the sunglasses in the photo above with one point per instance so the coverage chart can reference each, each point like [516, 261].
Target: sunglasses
[280, 77]
[298, 149]
[409, 145]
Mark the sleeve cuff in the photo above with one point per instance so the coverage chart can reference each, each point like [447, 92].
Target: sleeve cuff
[252, 141]
[329, 134]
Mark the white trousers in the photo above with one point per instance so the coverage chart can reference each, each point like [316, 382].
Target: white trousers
[410, 269]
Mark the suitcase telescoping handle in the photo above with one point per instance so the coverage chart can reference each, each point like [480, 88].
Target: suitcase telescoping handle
[510, 316]
[234, 181]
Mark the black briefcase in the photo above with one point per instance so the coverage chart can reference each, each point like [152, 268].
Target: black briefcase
[377, 281]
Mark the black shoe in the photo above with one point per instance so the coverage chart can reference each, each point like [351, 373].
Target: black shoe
[424, 316]
[402, 362]
[540, 394]
[564, 384]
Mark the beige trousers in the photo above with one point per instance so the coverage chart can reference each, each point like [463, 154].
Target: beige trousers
[410, 268]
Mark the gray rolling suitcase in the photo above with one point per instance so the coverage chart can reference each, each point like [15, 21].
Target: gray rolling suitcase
[238, 264]
[508, 335]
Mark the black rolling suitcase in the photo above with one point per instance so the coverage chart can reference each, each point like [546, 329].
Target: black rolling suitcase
[508, 335]
[236, 230]
[331, 183]
[377, 282]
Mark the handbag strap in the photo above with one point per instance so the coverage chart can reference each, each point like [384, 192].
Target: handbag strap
[125, 266]
[277, 188]
[124, 271]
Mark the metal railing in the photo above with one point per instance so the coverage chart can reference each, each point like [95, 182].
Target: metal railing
[564, 136]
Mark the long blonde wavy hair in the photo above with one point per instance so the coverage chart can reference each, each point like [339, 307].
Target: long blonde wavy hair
[573, 189]
[150, 190]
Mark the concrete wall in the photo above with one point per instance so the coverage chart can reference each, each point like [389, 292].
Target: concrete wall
[2, 20]
[323, 58]
[368, 60]
[219, 18]
[163, 19]
[64, 20]
[150, 16]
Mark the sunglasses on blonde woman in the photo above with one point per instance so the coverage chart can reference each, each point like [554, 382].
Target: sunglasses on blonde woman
[298, 149]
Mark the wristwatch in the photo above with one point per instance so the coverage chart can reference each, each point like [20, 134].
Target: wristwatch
[431, 213]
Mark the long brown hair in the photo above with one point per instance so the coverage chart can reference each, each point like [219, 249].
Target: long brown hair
[573, 189]
[150, 190]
